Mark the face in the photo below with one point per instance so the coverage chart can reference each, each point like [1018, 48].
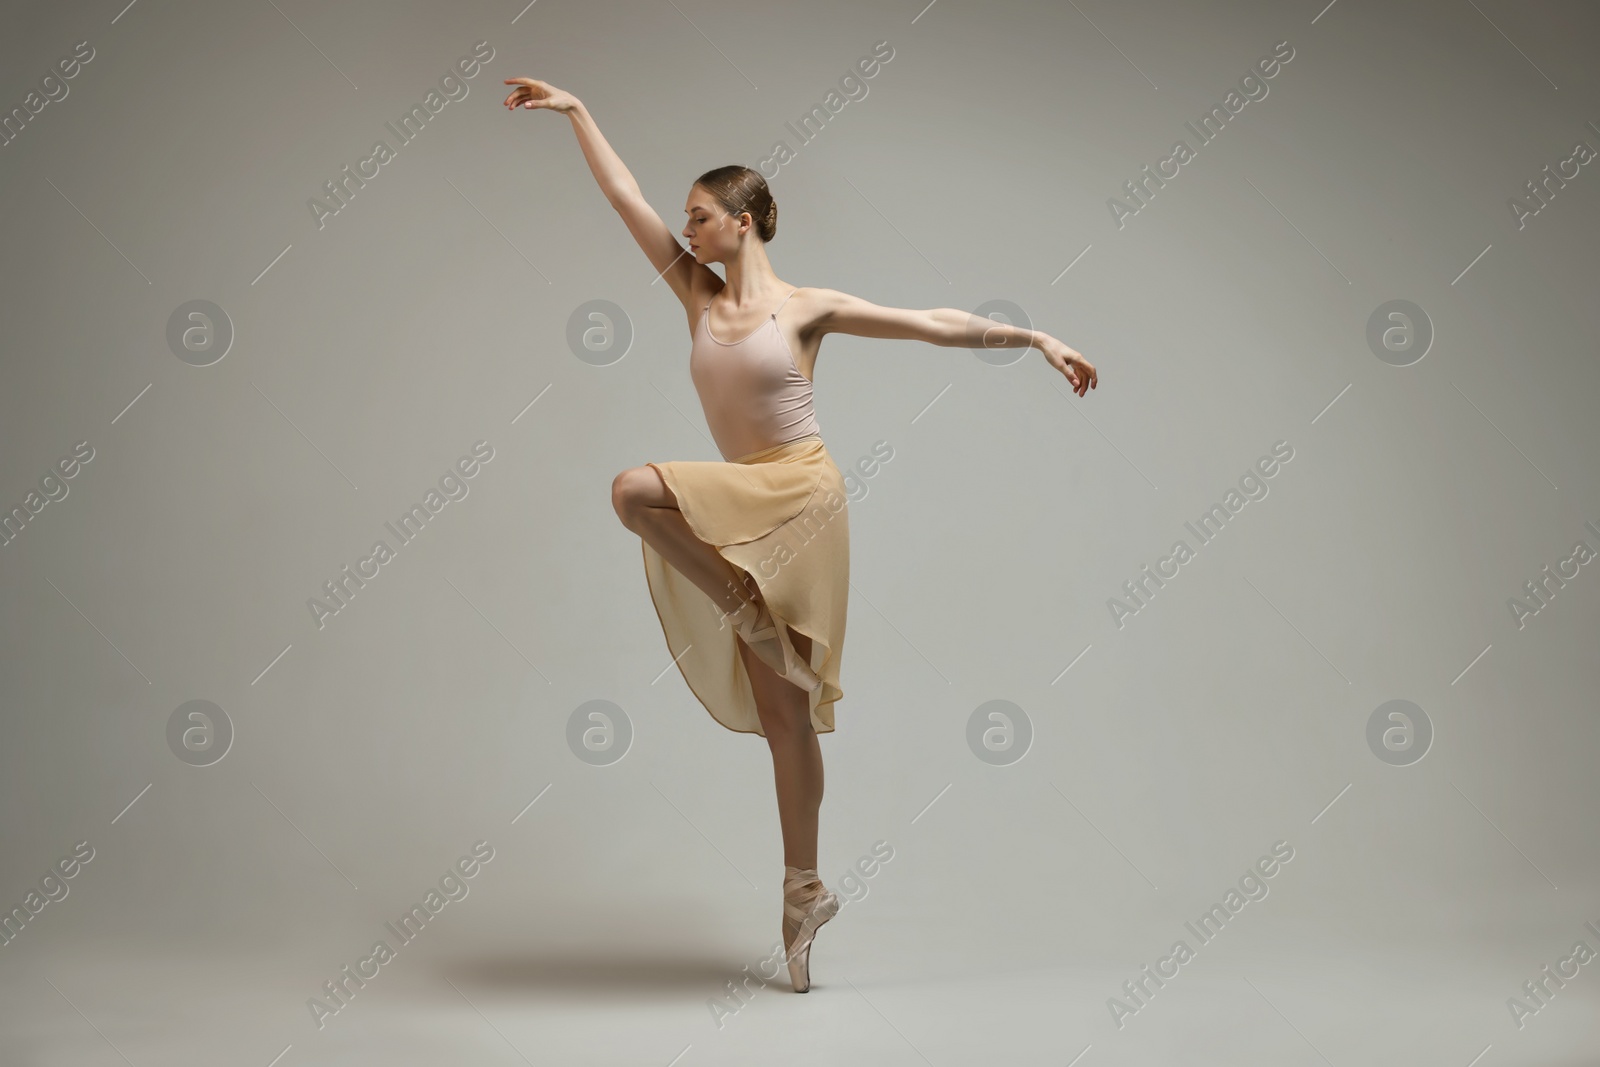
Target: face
[712, 233]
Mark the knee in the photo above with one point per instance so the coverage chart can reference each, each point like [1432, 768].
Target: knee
[631, 493]
[625, 497]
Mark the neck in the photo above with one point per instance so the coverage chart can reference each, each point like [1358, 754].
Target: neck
[750, 277]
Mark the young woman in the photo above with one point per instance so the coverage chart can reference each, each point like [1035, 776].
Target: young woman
[760, 541]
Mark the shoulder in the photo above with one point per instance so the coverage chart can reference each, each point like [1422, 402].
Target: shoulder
[833, 311]
[817, 307]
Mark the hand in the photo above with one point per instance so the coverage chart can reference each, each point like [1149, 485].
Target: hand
[531, 93]
[1079, 371]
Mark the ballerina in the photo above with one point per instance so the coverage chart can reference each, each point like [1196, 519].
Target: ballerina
[747, 559]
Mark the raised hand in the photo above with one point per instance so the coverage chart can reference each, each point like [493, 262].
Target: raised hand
[531, 93]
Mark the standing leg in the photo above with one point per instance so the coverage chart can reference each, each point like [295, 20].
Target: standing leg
[785, 712]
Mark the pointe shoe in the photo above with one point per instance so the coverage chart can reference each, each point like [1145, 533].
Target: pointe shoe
[810, 903]
[760, 638]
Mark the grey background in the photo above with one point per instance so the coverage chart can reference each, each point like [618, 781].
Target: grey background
[1230, 313]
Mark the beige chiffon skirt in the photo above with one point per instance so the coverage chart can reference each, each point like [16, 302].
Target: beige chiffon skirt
[780, 516]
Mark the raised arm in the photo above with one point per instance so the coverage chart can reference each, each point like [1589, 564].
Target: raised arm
[950, 327]
[670, 259]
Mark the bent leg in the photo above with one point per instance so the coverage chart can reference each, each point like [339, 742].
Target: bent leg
[646, 506]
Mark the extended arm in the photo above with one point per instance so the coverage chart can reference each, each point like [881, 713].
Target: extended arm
[669, 258]
[949, 327]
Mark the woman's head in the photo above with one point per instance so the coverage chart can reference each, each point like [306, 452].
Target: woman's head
[718, 205]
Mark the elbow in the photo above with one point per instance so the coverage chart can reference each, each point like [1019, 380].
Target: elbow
[946, 327]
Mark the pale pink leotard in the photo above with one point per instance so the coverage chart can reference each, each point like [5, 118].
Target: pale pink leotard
[751, 390]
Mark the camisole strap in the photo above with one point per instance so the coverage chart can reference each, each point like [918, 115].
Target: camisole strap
[782, 302]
